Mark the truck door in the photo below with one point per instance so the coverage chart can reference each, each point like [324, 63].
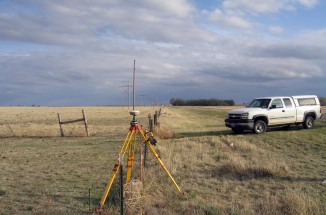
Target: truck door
[290, 110]
[277, 113]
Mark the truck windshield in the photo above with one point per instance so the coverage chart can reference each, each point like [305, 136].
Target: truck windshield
[259, 103]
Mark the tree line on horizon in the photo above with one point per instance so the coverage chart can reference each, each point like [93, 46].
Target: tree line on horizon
[201, 102]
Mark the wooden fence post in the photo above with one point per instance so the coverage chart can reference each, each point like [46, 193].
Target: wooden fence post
[60, 124]
[155, 118]
[150, 122]
[72, 121]
[85, 122]
[150, 125]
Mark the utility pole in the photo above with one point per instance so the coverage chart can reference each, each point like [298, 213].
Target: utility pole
[125, 90]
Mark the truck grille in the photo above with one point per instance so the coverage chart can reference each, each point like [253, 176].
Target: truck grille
[234, 116]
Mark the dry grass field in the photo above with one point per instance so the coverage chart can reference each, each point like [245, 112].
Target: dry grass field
[279, 172]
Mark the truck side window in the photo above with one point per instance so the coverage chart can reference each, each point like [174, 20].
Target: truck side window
[307, 101]
[287, 102]
[277, 103]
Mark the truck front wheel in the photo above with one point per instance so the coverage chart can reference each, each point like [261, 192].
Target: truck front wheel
[308, 122]
[259, 127]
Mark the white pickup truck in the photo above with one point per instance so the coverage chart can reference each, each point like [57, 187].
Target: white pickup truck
[275, 111]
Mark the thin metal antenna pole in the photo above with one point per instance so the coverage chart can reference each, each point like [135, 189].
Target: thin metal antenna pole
[133, 86]
[128, 96]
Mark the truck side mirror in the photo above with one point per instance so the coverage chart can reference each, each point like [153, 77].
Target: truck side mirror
[273, 106]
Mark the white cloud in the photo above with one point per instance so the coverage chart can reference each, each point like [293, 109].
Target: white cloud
[266, 6]
[317, 37]
[261, 6]
[308, 3]
[230, 19]
[180, 8]
[275, 29]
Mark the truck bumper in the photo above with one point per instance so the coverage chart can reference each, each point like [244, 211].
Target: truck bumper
[247, 124]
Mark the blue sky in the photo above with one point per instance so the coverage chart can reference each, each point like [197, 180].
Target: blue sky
[80, 52]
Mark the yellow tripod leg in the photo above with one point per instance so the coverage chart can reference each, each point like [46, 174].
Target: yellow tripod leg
[115, 169]
[129, 163]
[131, 157]
[159, 160]
[126, 143]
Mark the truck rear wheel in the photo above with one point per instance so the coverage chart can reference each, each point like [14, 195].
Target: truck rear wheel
[259, 127]
[308, 122]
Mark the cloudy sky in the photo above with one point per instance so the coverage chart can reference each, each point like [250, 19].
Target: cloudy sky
[81, 52]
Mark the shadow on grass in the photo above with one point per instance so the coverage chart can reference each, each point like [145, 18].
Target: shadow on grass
[230, 132]
[299, 179]
[224, 172]
[204, 133]
[246, 132]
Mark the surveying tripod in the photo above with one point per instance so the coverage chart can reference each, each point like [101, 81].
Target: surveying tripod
[130, 146]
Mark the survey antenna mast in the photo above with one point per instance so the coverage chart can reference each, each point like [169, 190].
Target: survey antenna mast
[133, 86]
[134, 112]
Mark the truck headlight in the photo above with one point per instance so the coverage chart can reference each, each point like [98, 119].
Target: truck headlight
[244, 116]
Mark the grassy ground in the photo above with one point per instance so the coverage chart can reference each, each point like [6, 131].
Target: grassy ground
[279, 172]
